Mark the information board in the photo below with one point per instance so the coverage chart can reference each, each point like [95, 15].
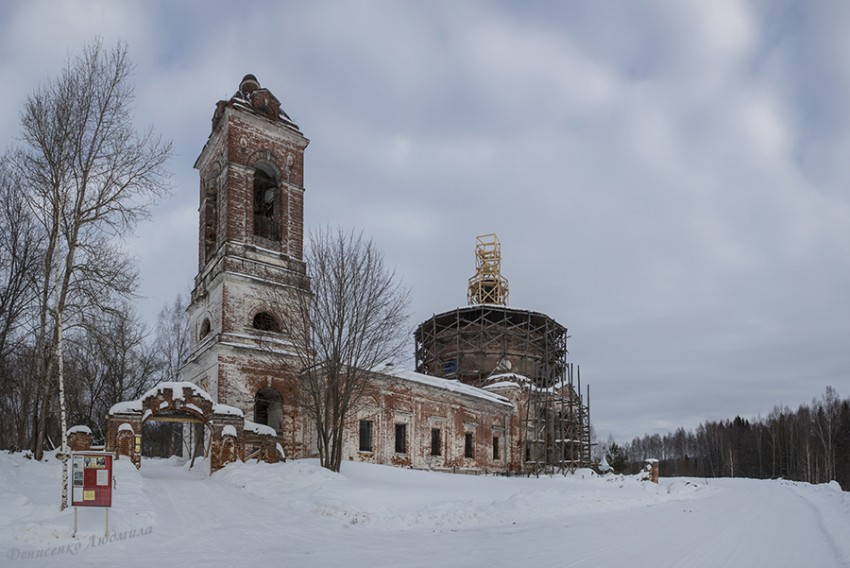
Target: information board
[91, 479]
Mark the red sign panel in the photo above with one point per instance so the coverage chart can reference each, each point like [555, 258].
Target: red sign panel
[91, 479]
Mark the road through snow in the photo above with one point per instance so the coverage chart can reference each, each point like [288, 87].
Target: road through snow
[297, 514]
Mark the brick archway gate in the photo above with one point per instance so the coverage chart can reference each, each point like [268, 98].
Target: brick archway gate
[172, 433]
[227, 435]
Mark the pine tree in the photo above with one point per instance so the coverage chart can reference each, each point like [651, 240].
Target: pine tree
[616, 458]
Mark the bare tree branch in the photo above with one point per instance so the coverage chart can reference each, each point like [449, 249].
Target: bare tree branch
[88, 176]
[352, 322]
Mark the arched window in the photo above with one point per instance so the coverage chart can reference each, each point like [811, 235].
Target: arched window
[205, 329]
[268, 409]
[265, 198]
[264, 321]
[210, 219]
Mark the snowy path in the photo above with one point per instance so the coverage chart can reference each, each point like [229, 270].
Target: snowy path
[296, 514]
[745, 523]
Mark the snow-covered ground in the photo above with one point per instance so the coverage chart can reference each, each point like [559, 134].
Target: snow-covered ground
[297, 514]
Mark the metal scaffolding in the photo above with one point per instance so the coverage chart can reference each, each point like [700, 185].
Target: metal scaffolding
[474, 343]
[487, 339]
[557, 427]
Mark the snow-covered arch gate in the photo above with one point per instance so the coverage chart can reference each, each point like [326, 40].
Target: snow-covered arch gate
[228, 435]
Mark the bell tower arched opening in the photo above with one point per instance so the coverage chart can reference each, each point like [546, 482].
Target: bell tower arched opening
[266, 217]
[264, 321]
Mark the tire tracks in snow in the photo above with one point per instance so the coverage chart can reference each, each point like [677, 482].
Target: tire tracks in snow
[835, 538]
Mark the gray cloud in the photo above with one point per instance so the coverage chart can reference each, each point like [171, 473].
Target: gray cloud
[670, 182]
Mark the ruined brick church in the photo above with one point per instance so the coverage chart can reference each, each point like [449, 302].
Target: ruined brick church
[492, 390]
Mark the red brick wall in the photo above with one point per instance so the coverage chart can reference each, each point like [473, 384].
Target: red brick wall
[422, 408]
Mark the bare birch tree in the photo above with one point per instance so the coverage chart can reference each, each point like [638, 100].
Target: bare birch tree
[352, 321]
[88, 175]
[826, 415]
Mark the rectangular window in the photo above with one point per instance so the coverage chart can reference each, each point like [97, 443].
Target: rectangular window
[401, 438]
[366, 435]
[468, 446]
[495, 448]
[436, 442]
[450, 367]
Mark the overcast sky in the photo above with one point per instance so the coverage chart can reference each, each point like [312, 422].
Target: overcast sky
[669, 180]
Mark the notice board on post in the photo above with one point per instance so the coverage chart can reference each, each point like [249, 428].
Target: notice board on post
[91, 479]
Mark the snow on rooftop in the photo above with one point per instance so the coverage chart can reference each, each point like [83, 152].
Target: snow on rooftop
[503, 380]
[229, 430]
[127, 407]
[125, 426]
[79, 429]
[259, 428]
[219, 408]
[445, 384]
[240, 101]
[503, 385]
[176, 388]
[513, 377]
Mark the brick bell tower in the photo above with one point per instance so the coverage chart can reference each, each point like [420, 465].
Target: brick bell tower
[250, 241]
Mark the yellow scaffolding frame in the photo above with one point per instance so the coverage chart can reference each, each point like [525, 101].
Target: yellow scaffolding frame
[488, 286]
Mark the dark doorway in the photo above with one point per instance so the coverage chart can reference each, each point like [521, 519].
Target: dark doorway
[268, 409]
